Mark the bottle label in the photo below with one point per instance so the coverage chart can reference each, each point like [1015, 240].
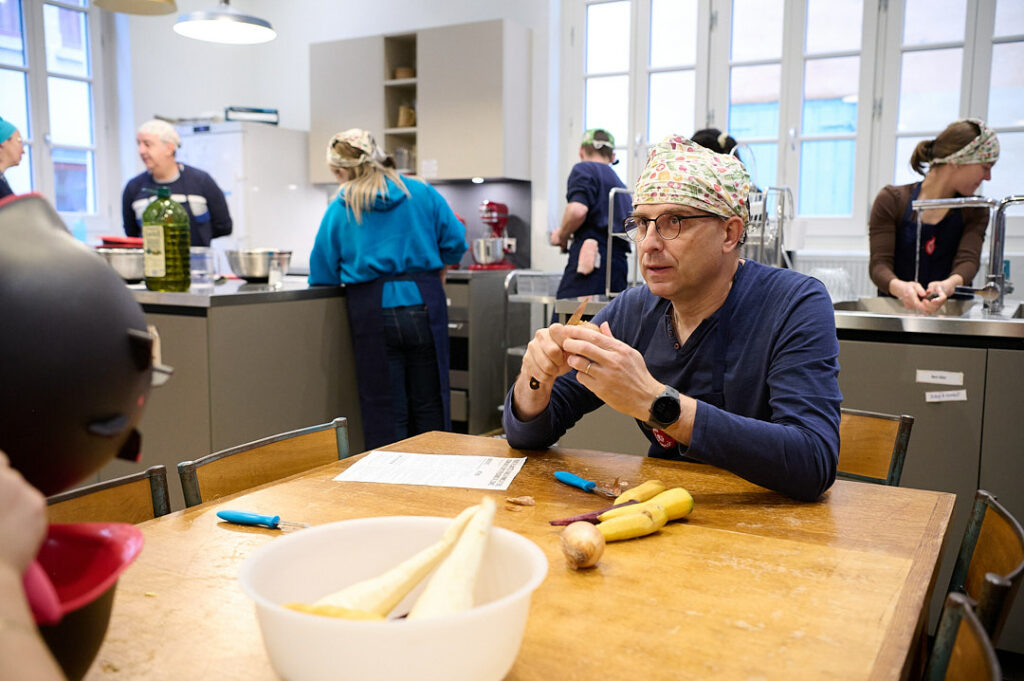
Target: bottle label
[154, 260]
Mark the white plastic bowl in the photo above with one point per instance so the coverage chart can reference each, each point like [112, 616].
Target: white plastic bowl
[479, 644]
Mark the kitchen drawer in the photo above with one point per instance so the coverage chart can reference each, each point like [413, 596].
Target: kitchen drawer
[460, 405]
[458, 296]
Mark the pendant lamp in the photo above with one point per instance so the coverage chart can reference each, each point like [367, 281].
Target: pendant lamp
[148, 7]
[224, 25]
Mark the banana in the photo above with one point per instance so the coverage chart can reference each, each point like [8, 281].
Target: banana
[642, 492]
[633, 525]
[677, 503]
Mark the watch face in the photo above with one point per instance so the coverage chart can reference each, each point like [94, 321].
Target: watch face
[665, 410]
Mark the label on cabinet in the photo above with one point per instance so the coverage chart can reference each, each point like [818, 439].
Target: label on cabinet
[940, 377]
[428, 168]
[945, 396]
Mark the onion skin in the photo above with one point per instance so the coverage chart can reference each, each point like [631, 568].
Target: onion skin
[582, 544]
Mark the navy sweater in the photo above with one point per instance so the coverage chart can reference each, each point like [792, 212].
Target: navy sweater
[779, 426]
[194, 189]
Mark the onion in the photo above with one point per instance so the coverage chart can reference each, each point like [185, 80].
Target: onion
[582, 544]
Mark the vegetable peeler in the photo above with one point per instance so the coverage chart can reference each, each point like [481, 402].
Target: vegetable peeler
[585, 485]
[273, 522]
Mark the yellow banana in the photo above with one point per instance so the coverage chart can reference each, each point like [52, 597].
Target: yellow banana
[677, 503]
[649, 520]
[641, 492]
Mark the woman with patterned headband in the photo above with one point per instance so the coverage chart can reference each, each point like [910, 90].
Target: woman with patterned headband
[957, 161]
[720, 360]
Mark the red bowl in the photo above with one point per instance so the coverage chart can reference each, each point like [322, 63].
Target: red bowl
[83, 561]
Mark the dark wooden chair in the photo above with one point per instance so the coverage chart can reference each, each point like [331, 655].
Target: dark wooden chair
[990, 564]
[256, 463]
[873, 446]
[128, 499]
[963, 650]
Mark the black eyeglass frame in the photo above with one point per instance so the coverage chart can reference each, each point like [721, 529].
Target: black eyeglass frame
[632, 225]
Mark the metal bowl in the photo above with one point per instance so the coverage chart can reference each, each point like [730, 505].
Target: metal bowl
[253, 264]
[491, 250]
[128, 262]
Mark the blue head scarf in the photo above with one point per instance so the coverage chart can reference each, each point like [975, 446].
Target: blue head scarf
[6, 130]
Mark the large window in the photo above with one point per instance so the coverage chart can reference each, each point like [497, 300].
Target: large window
[827, 97]
[47, 67]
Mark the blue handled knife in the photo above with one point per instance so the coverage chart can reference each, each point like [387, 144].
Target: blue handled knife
[273, 522]
[585, 485]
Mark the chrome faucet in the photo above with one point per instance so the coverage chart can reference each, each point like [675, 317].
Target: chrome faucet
[997, 238]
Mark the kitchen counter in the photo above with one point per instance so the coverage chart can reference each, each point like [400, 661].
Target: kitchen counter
[237, 292]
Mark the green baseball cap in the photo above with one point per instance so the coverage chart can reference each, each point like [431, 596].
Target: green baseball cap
[606, 140]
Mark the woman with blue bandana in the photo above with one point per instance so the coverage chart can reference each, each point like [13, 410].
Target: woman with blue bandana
[11, 151]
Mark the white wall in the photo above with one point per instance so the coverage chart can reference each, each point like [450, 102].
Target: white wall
[174, 76]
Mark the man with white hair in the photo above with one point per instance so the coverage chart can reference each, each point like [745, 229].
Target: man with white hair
[720, 360]
[193, 188]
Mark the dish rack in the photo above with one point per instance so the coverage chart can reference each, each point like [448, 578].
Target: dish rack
[769, 212]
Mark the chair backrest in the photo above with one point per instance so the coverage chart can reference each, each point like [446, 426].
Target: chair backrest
[990, 564]
[256, 463]
[128, 499]
[872, 445]
[962, 650]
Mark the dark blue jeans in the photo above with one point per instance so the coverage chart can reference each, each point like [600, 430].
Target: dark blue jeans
[412, 363]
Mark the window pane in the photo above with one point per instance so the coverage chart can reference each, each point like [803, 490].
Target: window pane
[70, 111]
[930, 89]
[833, 25]
[15, 100]
[756, 29]
[20, 176]
[73, 180]
[622, 167]
[830, 96]
[826, 177]
[12, 37]
[607, 105]
[66, 41]
[762, 161]
[754, 101]
[903, 174]
[673, 33]
[608, 34]
[1006, 98]
[1009, 17]
[927, 22]
[1007, 174]
[671, 107]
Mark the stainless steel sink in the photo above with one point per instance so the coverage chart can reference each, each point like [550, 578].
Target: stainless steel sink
[951, 308]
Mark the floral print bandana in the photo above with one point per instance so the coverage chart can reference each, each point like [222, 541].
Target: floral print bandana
[359, 139]
[681, 171]
[982, 149]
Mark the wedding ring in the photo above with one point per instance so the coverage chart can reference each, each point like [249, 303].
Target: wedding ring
[587, 370]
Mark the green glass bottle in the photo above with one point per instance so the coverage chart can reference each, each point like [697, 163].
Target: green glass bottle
[166, 240]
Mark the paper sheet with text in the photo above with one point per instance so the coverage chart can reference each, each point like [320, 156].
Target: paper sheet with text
[440, 470]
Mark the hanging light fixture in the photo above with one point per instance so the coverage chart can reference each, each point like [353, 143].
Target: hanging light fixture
[224, 25]
[148, 7]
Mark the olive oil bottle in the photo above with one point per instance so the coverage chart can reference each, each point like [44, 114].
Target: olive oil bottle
[166, 240]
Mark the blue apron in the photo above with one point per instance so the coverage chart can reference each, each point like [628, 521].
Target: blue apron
[939, 244]
[368, 342]
[574, 284]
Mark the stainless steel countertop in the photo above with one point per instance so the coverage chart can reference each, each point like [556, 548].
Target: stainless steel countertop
[237, 292]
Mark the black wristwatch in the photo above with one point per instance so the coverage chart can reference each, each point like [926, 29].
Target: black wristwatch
[665, 409]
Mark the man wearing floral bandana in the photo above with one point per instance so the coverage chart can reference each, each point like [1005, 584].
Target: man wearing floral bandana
[720, 360]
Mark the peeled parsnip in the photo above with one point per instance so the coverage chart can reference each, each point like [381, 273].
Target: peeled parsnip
[380, 594]
[451, 587]
[677, 503]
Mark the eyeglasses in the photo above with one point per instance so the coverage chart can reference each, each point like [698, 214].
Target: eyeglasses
[668, 225]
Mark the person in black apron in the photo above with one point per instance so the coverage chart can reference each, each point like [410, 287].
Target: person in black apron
[924, 271]
[387, 238]
[720, 360]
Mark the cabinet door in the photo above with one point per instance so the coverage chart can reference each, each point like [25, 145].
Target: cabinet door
[346, 90]
[473, 102]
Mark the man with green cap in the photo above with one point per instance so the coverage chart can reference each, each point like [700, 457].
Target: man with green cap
[585, 220]
[11, 151]
[720, 360]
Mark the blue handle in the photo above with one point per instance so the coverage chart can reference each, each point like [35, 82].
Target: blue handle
[244, 518]
[575, 480]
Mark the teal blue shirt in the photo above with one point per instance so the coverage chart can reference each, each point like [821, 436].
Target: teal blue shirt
[400, 234]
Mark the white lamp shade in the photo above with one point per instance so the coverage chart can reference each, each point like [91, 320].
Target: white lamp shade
[224, 25]
[148, 7]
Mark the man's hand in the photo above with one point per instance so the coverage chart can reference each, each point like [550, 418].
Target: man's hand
[557, 239]
[22, 518]
[544, 361]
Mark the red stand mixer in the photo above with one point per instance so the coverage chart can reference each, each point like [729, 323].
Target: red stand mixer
[489, 252]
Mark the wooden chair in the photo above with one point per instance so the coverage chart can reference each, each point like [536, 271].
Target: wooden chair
[249, 465]
[990, 564]
[872, 446]
[962, 651]
[128, 499]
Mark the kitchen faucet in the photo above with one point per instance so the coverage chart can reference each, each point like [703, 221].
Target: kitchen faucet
[996, 278]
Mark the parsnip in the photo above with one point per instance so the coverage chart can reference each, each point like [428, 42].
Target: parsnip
[641, 492]
[450, 589]
[677, 503]
[651, 519]
[380, 594]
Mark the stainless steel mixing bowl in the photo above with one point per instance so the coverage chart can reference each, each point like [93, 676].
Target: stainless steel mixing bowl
[253, 264]
[128, 262]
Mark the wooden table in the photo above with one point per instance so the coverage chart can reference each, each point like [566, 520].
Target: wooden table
[751, 586]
